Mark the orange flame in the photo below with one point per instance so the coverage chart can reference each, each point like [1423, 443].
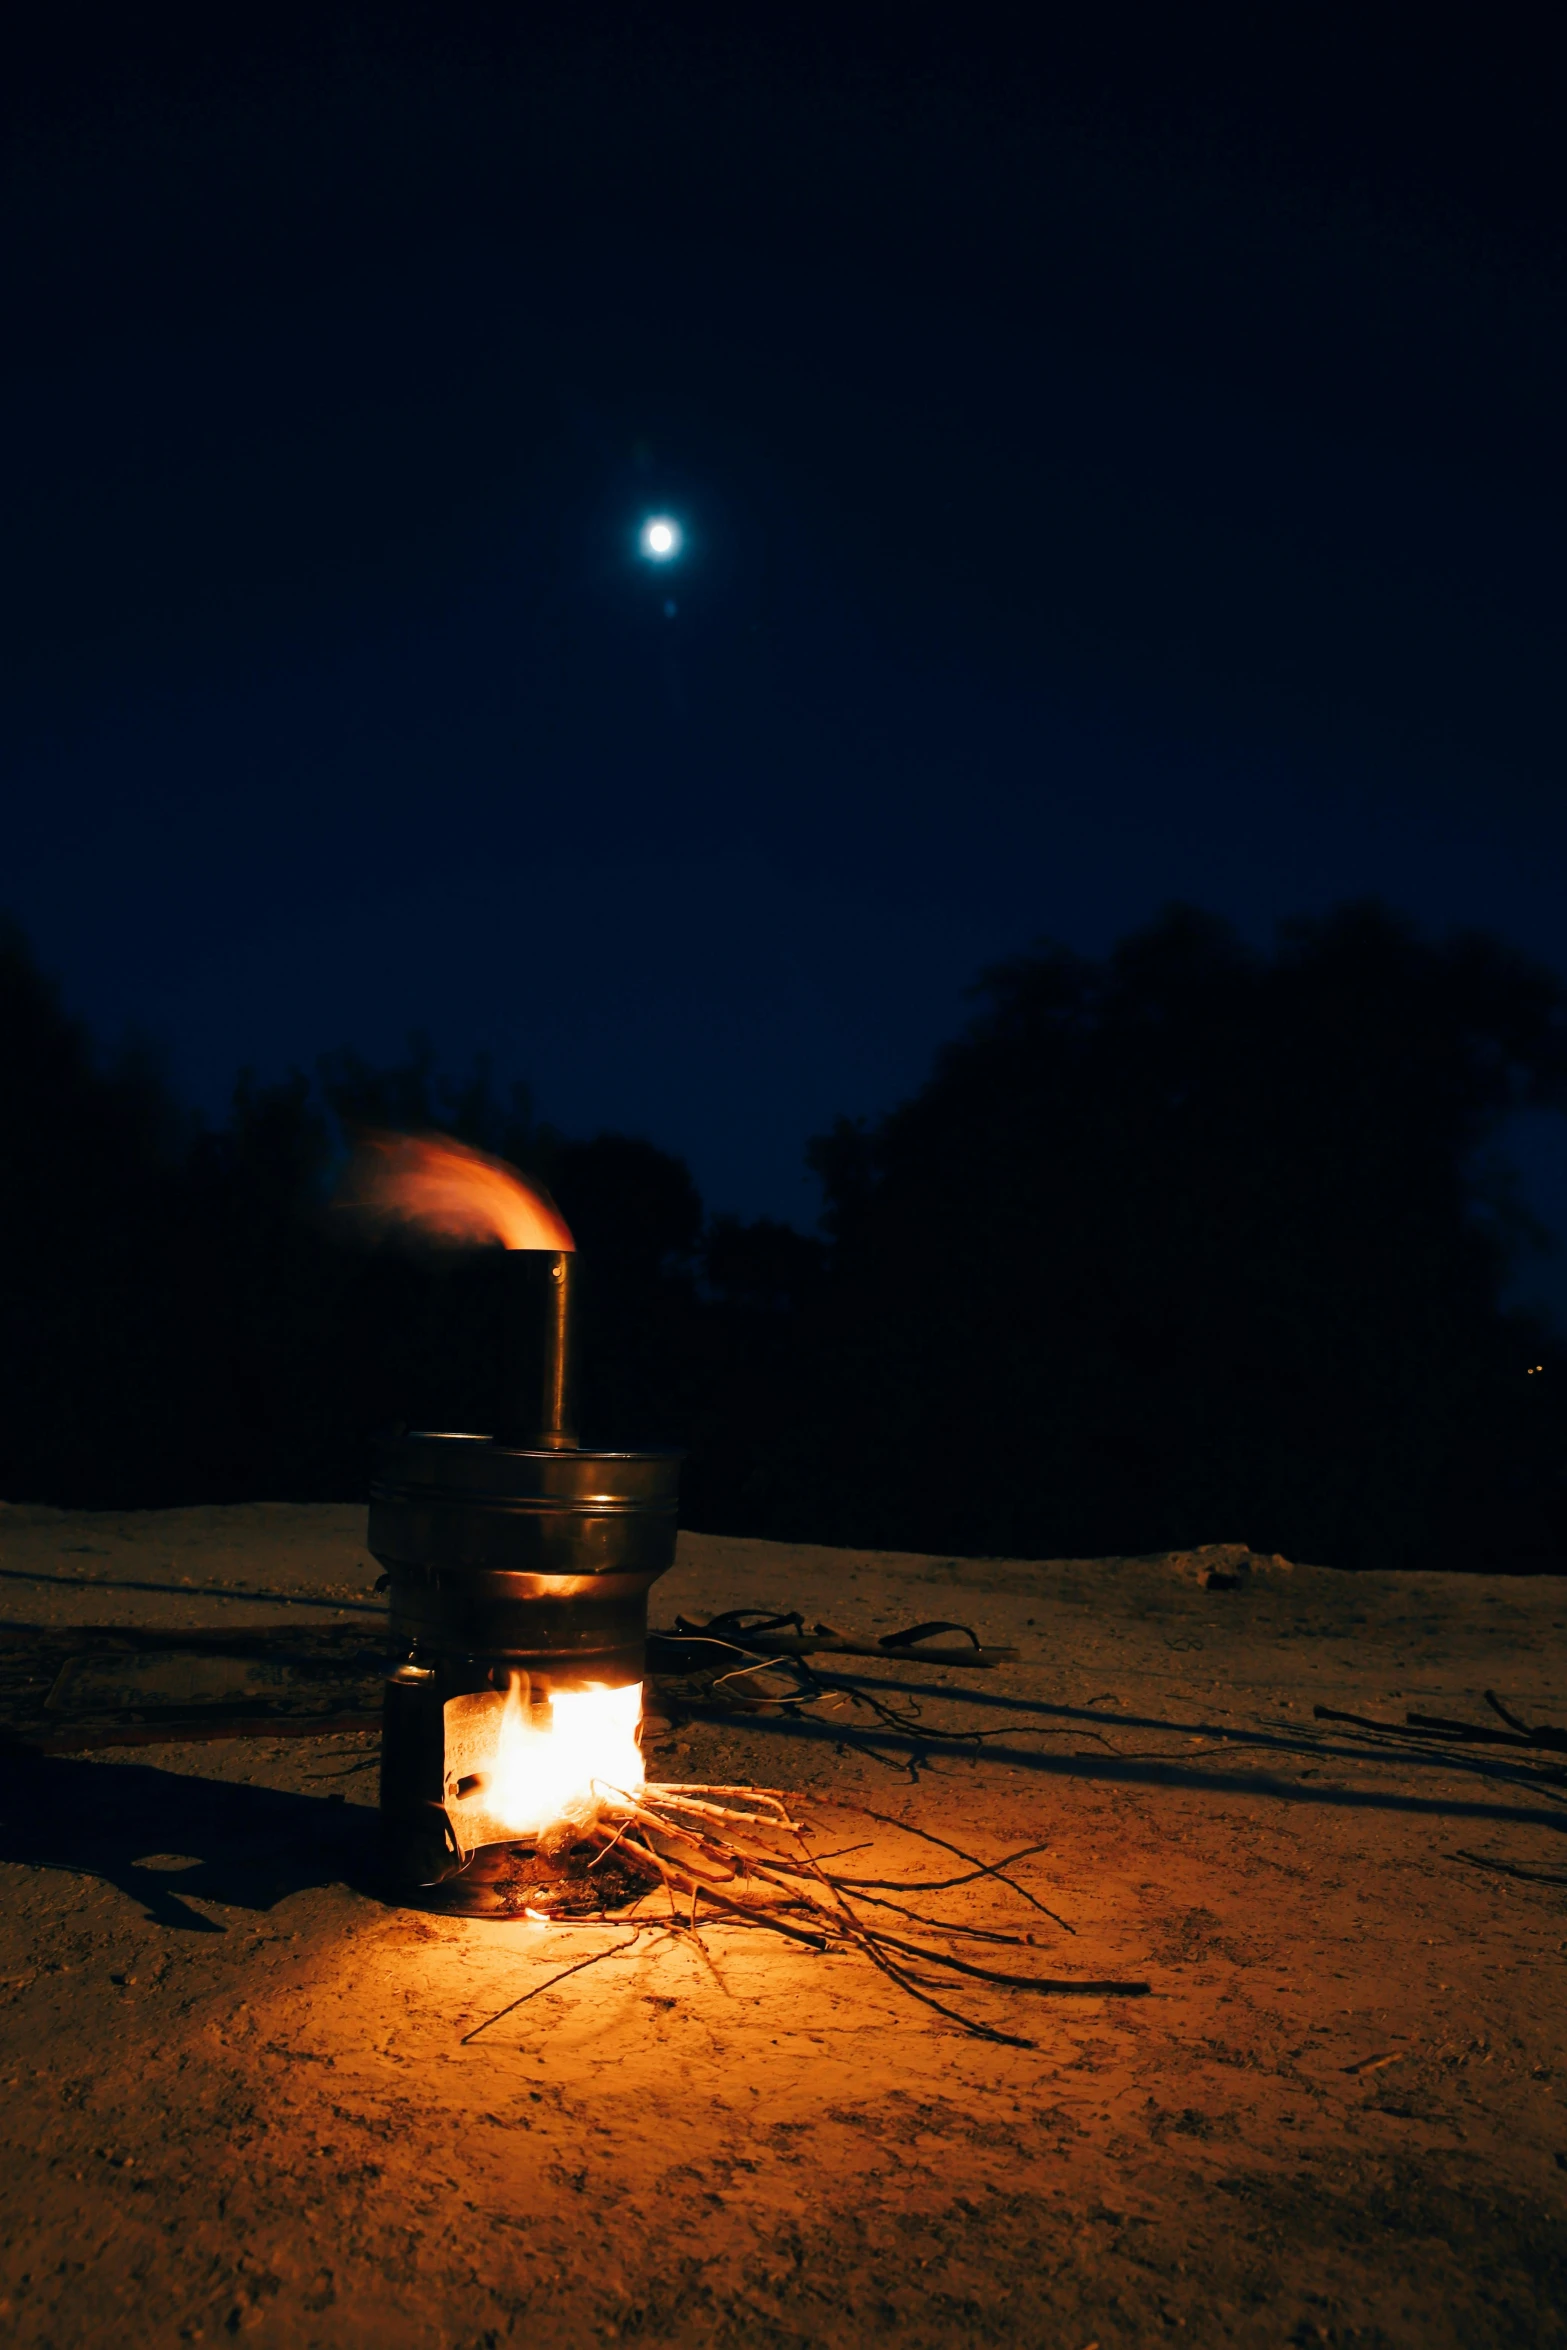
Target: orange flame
[542, 1775]
[440, 1187]
[519, 1767]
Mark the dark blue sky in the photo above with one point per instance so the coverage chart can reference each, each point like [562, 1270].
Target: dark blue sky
[1110, 475]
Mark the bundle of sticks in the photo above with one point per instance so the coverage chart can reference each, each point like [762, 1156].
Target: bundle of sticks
[739, 1855]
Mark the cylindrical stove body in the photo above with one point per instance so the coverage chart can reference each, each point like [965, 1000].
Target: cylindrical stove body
[503, 1563]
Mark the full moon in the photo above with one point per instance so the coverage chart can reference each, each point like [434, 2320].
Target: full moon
[660, 538]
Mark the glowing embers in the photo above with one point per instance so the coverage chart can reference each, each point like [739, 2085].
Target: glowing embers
[515, 1766]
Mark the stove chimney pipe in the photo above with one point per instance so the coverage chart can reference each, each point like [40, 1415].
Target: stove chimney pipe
[538, 1298]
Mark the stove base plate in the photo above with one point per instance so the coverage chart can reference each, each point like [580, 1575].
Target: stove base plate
[509, 1880]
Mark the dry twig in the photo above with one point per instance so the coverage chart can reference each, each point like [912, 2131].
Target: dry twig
[982, 1868]
[591, 1960]
[722, 1845]
[1543, 1736]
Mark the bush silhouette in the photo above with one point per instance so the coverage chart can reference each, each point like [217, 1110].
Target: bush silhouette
[1192, 1244]
[1189, 1244]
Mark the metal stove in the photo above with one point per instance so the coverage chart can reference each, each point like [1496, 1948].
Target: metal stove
[519, 1559]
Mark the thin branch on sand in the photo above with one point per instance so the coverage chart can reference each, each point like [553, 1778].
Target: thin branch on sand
[591, 1960]
[980, 1868]
[1511, 1868]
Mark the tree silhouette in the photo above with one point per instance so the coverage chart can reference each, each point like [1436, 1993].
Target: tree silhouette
[1189, 1244]
[91, 1368]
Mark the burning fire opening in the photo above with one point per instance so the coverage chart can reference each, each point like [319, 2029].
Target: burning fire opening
[515, 1767]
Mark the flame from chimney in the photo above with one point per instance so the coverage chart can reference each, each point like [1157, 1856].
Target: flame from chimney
[430, 1184]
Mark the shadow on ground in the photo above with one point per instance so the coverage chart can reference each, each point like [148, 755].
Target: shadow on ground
[161, 1836]
[1230, 1767]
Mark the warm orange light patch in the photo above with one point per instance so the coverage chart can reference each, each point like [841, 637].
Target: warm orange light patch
[441, 1187]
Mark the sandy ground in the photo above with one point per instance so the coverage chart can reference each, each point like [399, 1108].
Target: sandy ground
[238, 2099]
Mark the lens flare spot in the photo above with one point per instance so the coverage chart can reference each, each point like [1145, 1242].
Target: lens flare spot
[660, 538]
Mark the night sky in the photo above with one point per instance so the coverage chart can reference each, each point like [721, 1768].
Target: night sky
[1117, 462]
